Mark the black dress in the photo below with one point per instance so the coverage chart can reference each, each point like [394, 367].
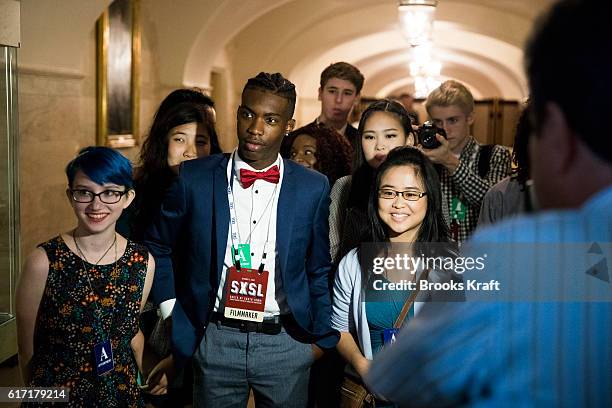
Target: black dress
[67, 331]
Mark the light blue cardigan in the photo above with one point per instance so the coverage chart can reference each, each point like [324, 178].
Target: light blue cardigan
[348, 308]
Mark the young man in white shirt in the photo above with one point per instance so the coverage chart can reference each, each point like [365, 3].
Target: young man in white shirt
[252, 261]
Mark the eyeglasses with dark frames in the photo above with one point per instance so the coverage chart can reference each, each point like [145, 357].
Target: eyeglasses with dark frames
[409, 195]
[106, 196]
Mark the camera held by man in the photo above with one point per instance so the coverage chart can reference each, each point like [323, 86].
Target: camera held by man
[426, 135]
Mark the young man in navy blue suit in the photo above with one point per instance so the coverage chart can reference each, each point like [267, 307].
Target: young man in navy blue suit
[248, 235]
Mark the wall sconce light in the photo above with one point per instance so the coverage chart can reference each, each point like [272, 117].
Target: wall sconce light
[416, 20]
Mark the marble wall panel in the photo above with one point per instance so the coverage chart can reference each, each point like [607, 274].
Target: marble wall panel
[51, 112]
[57, 117]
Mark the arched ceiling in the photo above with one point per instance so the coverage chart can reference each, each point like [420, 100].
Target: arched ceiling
[478, 42]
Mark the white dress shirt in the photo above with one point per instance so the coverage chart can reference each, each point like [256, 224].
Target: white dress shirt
[256, 210]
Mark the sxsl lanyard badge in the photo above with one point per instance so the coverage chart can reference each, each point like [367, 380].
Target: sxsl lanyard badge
[104, 357]
[245, 287]
[246, 294]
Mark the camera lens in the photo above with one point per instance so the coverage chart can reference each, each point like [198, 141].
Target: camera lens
[427, 135]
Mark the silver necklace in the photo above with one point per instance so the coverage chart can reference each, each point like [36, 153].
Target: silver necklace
[103, 255]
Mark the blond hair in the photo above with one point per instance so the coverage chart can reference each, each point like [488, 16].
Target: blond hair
[451, 93]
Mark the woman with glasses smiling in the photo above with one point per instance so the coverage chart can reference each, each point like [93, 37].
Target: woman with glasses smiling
[80, 294]
[404, 207]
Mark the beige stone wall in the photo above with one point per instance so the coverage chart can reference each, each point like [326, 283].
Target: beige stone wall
[57, 117]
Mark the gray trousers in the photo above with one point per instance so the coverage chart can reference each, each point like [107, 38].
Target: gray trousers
[228, 363]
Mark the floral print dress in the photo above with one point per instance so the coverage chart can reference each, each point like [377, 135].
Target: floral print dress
[67, 329]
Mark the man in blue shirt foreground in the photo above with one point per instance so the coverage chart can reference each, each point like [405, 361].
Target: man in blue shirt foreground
[545, 339]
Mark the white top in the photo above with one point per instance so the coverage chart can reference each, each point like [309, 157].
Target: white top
[256, 211]
[256, 218]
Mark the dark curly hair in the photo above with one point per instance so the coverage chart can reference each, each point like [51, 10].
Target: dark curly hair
[333, 150]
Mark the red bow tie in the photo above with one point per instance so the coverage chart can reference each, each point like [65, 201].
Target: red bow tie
[248, 177]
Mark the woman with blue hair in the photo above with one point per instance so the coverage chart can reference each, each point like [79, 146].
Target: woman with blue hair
[80, 294]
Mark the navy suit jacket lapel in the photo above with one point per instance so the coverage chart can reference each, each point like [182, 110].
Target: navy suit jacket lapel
[221, 215]
[284, 215]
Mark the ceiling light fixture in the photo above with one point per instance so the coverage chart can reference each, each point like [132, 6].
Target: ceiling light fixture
[425, 69]
[416, 20]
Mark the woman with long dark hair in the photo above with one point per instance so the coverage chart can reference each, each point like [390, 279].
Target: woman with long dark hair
[183, 128]
[384, 125]
[405, 217]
